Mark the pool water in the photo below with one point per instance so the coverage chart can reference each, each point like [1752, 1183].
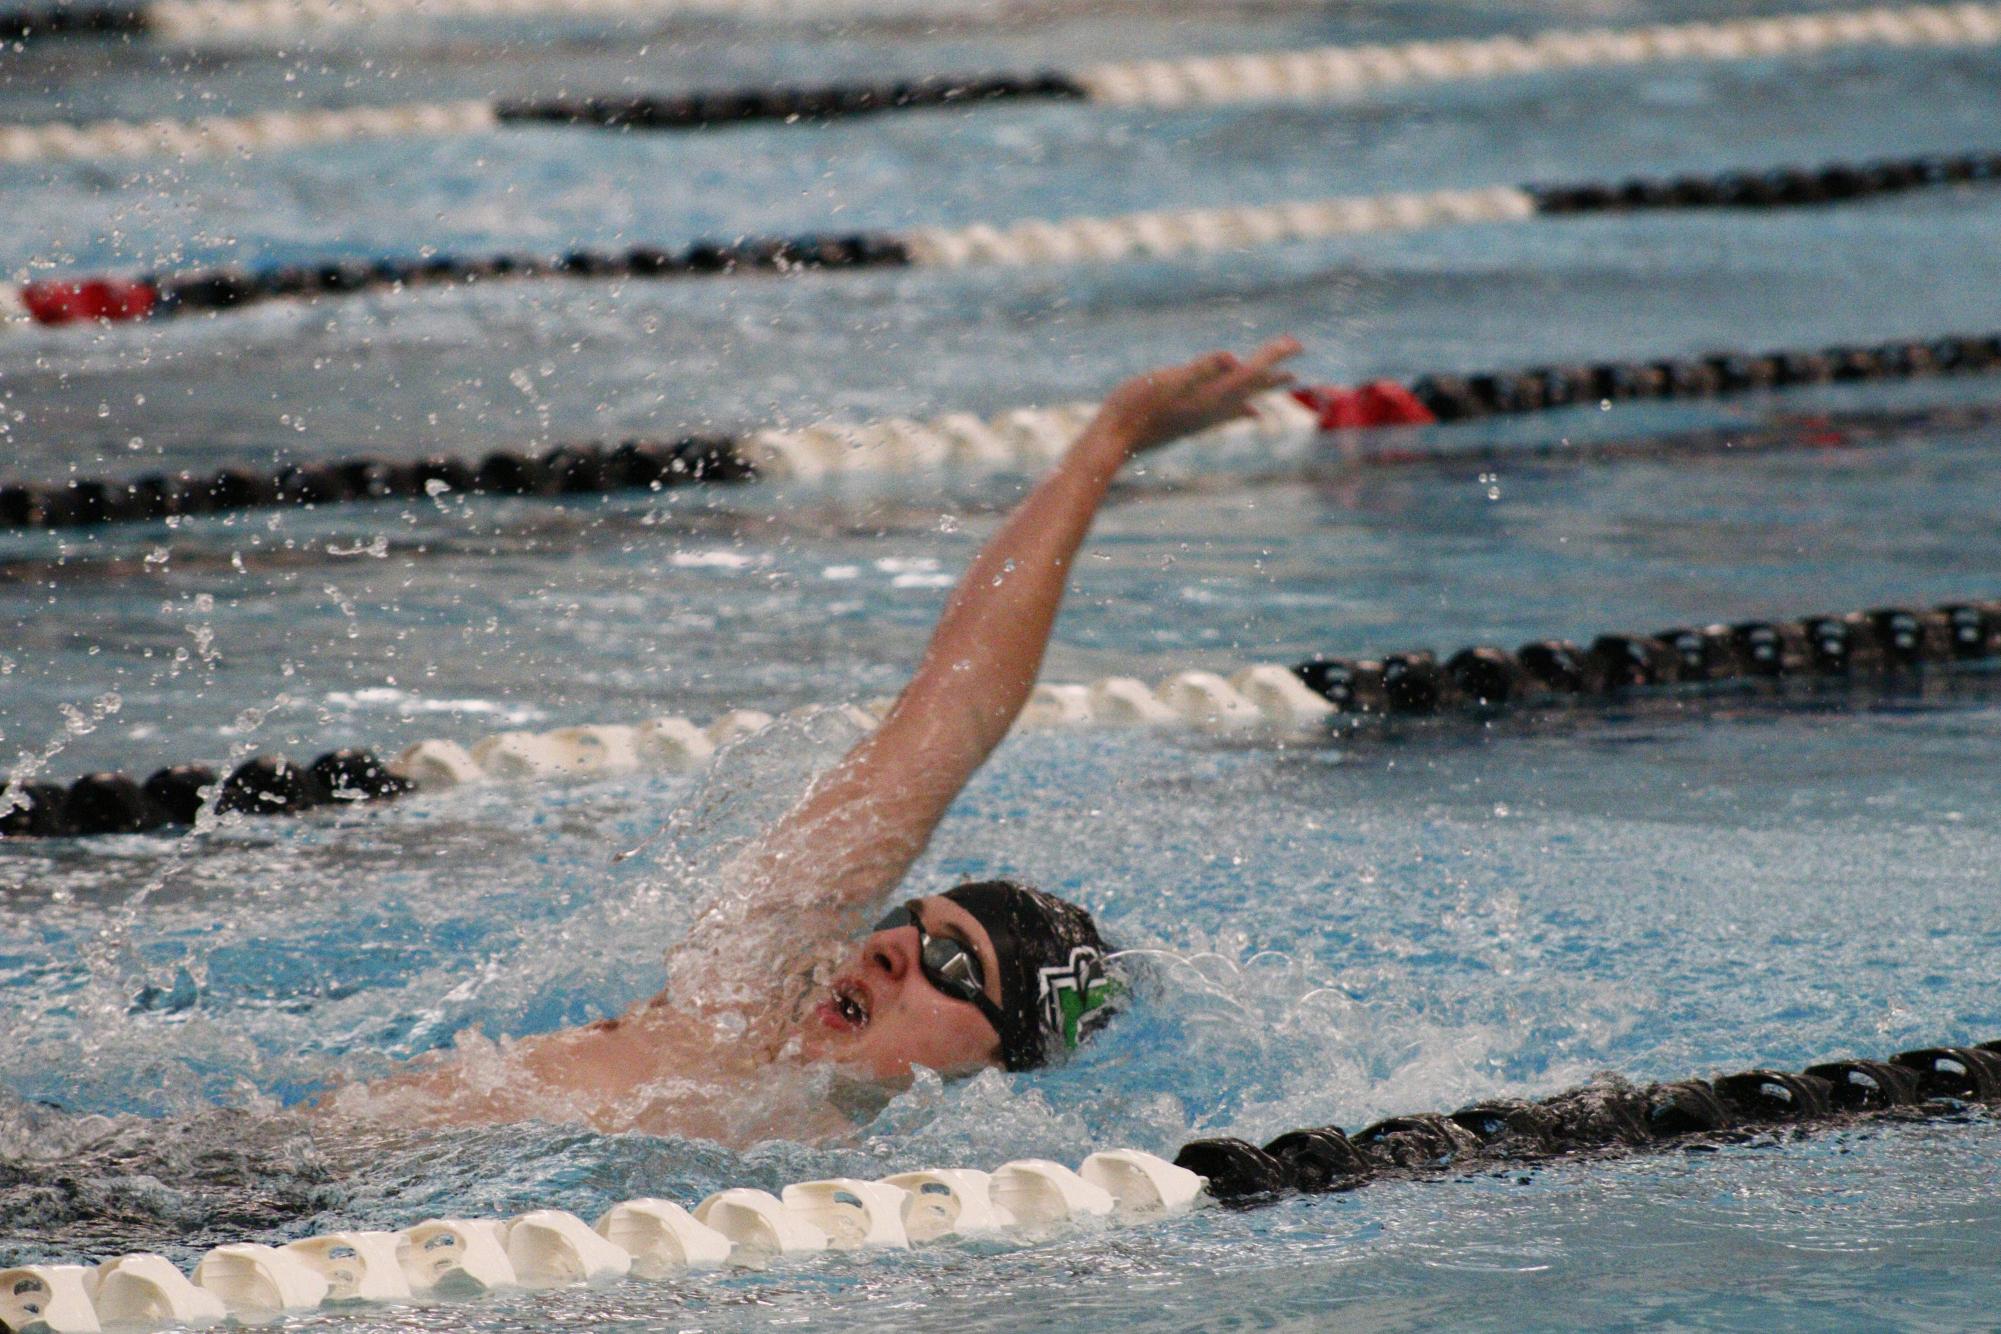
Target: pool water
[1404, 919]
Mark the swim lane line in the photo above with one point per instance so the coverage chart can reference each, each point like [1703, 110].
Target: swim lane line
[1891, 647]
[1033, 243]
[1021, 438]
[198, 21]
[1027, 1201]
[1311, 76]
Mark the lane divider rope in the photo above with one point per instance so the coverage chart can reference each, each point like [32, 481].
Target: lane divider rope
[1889, 645]
[1023, 437]
[1037, 242]
[1029, 437]
[191, 21]
[1334, 72]
[1314, 75]
[1027, 1201]
[1601, 1120]
[232, 136]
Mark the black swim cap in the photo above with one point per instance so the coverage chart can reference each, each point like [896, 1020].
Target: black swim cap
[1055, 987]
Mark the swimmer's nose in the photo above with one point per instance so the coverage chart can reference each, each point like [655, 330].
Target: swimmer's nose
[894, 952]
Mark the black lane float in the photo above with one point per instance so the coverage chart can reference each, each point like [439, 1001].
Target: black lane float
[593, 468]
[1890, 646]
[1601, 1120]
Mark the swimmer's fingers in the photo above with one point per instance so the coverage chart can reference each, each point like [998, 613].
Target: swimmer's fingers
[1274, 352]
[1223, 373]
[1178, 384]
[1164, 405]
[1212, 368]
[1263, 383]
[1262, 371]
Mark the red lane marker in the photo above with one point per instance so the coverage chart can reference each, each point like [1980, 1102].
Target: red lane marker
[1328, 402]
[1378, 403]
[1821, 432]
[59, 302]
[1391, 404]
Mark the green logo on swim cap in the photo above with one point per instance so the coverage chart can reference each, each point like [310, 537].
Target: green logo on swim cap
[1071, 994]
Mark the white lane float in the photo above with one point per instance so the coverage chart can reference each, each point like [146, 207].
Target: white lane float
[662, 1238]
[1057, 706]
[759, 1226]
[1208, 701]
[674, 743]
[55, 1298]
[147, 1290]
[452, 1256]
[1261, 698]
[949, 1201]
[256, 1283]
[1127, 701]
[552, 1249]
[1141, 1182]
[358, 1266]
[1041, 1193]
[854, 1215]
[647, 1239]
[1280, 696]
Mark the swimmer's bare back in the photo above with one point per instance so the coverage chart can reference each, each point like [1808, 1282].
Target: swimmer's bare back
[754, 1051]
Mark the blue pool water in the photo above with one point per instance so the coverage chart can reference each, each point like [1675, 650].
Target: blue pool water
[1384, 924]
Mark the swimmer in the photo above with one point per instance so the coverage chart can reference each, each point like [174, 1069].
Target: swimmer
[774, 1023]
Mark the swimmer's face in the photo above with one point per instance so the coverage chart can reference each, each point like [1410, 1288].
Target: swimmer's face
[881, 1016]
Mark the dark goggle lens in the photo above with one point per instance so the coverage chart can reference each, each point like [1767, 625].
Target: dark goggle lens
[947, 964]
[952, 968]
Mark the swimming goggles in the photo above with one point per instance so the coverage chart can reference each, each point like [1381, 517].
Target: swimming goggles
[947, 964]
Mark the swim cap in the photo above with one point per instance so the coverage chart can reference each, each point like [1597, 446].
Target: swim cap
[1055, 987]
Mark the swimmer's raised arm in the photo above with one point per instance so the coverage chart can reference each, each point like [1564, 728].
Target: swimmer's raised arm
[860, 826]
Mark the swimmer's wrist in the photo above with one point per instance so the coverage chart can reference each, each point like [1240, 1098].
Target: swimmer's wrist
[1107, 444]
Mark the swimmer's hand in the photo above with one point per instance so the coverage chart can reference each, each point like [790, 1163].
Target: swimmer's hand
[1162, 406]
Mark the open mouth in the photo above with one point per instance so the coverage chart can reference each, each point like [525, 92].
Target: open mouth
[847, 1007]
